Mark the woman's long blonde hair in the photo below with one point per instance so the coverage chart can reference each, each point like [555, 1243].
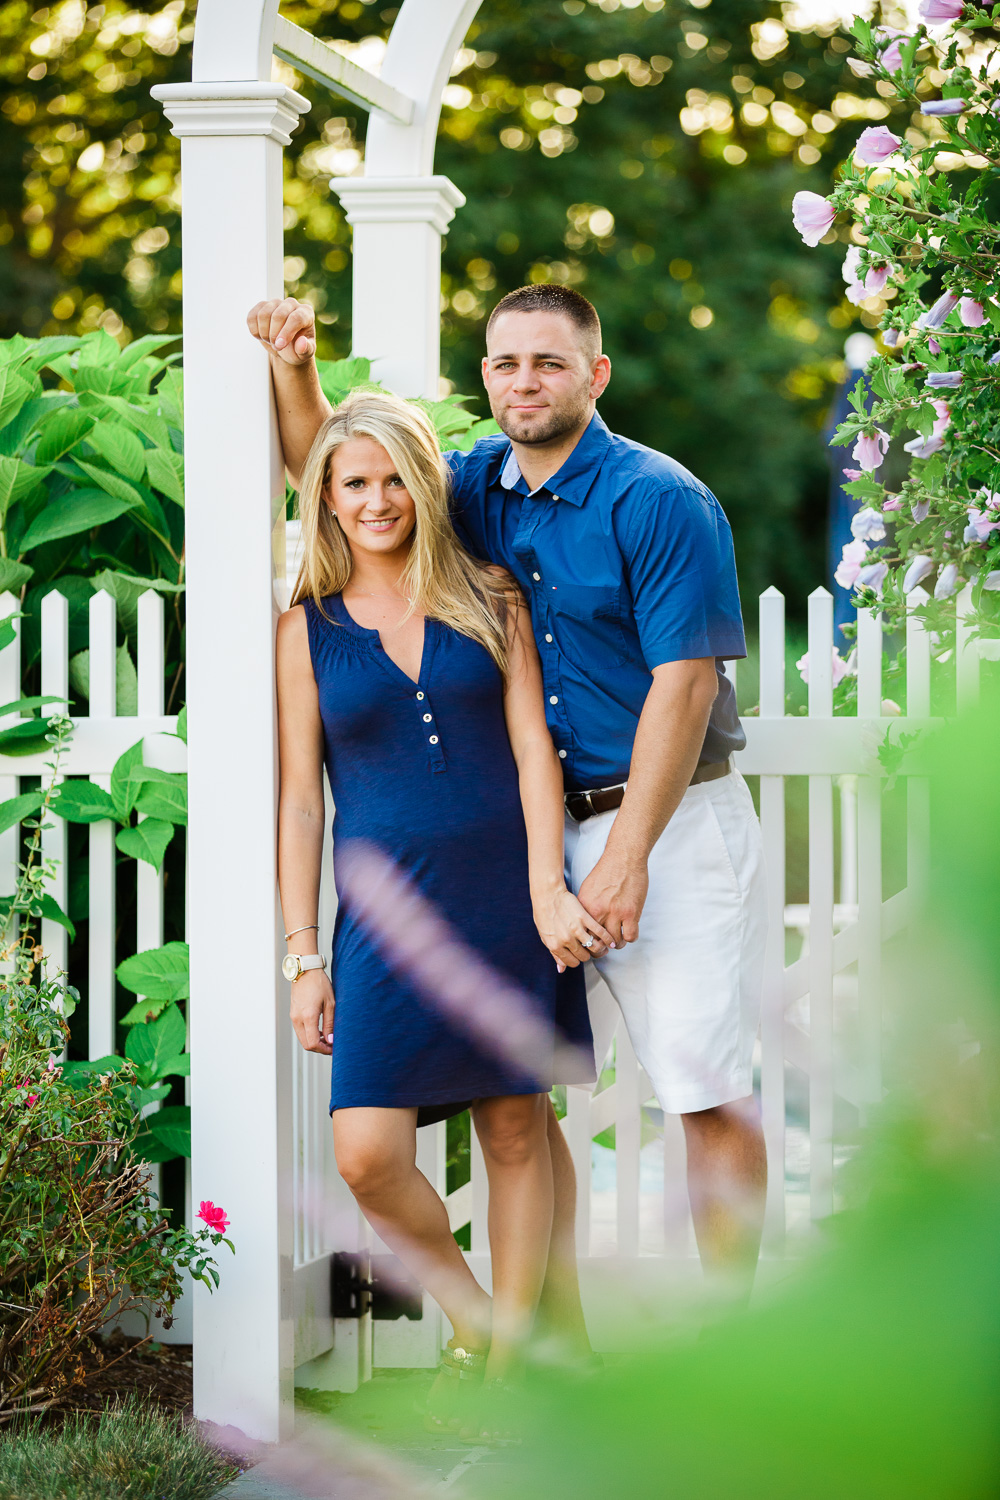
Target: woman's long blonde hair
[439, 577]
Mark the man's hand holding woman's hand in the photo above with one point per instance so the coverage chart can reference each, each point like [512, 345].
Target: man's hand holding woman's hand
[565, 927]
[286, 328]
[615, 892]
[311, 1011]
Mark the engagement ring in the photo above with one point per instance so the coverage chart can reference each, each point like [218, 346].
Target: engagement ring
[587, 942]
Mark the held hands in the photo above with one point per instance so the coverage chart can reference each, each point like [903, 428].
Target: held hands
[287, 329]
[564, 927]
[614, 893]
[311, 1010]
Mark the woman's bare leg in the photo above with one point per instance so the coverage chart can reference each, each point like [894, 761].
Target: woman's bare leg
[513, 1134]
[376, 1156]
[559, 1307]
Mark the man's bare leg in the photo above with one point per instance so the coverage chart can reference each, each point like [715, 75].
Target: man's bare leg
[727, 1184]
[560, 1313]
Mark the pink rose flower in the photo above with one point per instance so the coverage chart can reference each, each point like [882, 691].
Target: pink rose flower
[812, 216]
[214, 1217]
[875, 145]
[870, 451]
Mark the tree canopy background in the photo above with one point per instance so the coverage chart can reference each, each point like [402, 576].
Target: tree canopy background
[644, 151]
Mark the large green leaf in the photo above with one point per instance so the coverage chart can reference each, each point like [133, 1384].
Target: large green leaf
[182, 724]
[158, 972]
[120, 447]
[140, 348]
[125, 785]
[8, 634]
[98, 348]
[126, 589]
[27, 738]
[43, 351]
[163, 794]
[167, 1138]
[80, 510]
[25, 705]
[16, 809]
[13, 575]
[147, 841]
[151, 1045]
[171, 1126]
[17, 479]
[61, 432]
[166, 473]
[170, 393]
[141, 417]
[14, 392]
[114, 484]
[47, 906]
[126, 681]
[82, 802]
[144, 1010]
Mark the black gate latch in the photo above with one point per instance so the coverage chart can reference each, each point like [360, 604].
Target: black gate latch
[380, 1283]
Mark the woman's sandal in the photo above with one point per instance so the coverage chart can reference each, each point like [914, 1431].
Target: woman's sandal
[497, 1415]
[448, 1402]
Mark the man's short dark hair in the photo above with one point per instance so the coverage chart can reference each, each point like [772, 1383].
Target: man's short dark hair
[554, 299]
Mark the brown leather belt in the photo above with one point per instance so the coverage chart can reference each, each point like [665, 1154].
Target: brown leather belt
[584, 805]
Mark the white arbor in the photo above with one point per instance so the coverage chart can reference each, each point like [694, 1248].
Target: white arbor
[233, 122]
[260, 1134]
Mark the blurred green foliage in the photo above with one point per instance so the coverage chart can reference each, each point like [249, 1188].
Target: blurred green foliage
[646, 154]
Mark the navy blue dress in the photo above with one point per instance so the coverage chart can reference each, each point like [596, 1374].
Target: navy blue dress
[424, 772]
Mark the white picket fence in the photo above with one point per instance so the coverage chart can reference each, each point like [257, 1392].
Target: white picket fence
[822, 1004]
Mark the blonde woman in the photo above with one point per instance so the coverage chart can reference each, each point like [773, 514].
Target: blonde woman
[410, 671]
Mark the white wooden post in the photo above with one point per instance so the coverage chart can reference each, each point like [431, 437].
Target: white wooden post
[232, 134]
[820, 918]
[55, 682]
[869, 865]
[772, 1018]
[10, 691]
[398, 224]
[101, 882]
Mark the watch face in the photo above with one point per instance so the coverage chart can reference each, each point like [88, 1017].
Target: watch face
[290, 966]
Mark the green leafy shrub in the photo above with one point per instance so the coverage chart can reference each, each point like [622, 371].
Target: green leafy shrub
[80, 1237]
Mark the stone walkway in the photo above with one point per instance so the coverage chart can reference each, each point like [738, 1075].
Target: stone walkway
[372, 1446]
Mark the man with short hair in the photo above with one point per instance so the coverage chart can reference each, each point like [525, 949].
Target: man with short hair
[627, 563]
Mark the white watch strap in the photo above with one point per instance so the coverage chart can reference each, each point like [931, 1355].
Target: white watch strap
[311, 961]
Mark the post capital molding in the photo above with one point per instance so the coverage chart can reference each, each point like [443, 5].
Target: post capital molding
[271, 110]
[399, 200]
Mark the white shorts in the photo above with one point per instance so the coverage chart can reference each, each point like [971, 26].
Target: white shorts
[689, 988]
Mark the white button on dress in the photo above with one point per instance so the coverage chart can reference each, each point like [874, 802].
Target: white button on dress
[433, 739]
[420, 697]
[427, 718]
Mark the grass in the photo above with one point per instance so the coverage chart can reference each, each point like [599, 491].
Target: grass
[130, 1452]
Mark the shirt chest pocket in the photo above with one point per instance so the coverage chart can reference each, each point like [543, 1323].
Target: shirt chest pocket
[589, 626]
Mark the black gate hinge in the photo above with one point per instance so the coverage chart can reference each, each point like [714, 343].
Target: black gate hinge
[362, 1282]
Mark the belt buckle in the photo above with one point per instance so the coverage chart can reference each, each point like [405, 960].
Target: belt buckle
[589, 800]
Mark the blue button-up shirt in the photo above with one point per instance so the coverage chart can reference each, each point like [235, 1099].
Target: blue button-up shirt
[627, 562]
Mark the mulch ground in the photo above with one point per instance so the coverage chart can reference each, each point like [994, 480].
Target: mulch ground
[122, 1367]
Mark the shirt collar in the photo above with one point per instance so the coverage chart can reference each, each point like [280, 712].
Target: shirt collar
[574, 480]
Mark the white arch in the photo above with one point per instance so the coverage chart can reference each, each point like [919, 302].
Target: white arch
[422, 46]
[233, 41]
